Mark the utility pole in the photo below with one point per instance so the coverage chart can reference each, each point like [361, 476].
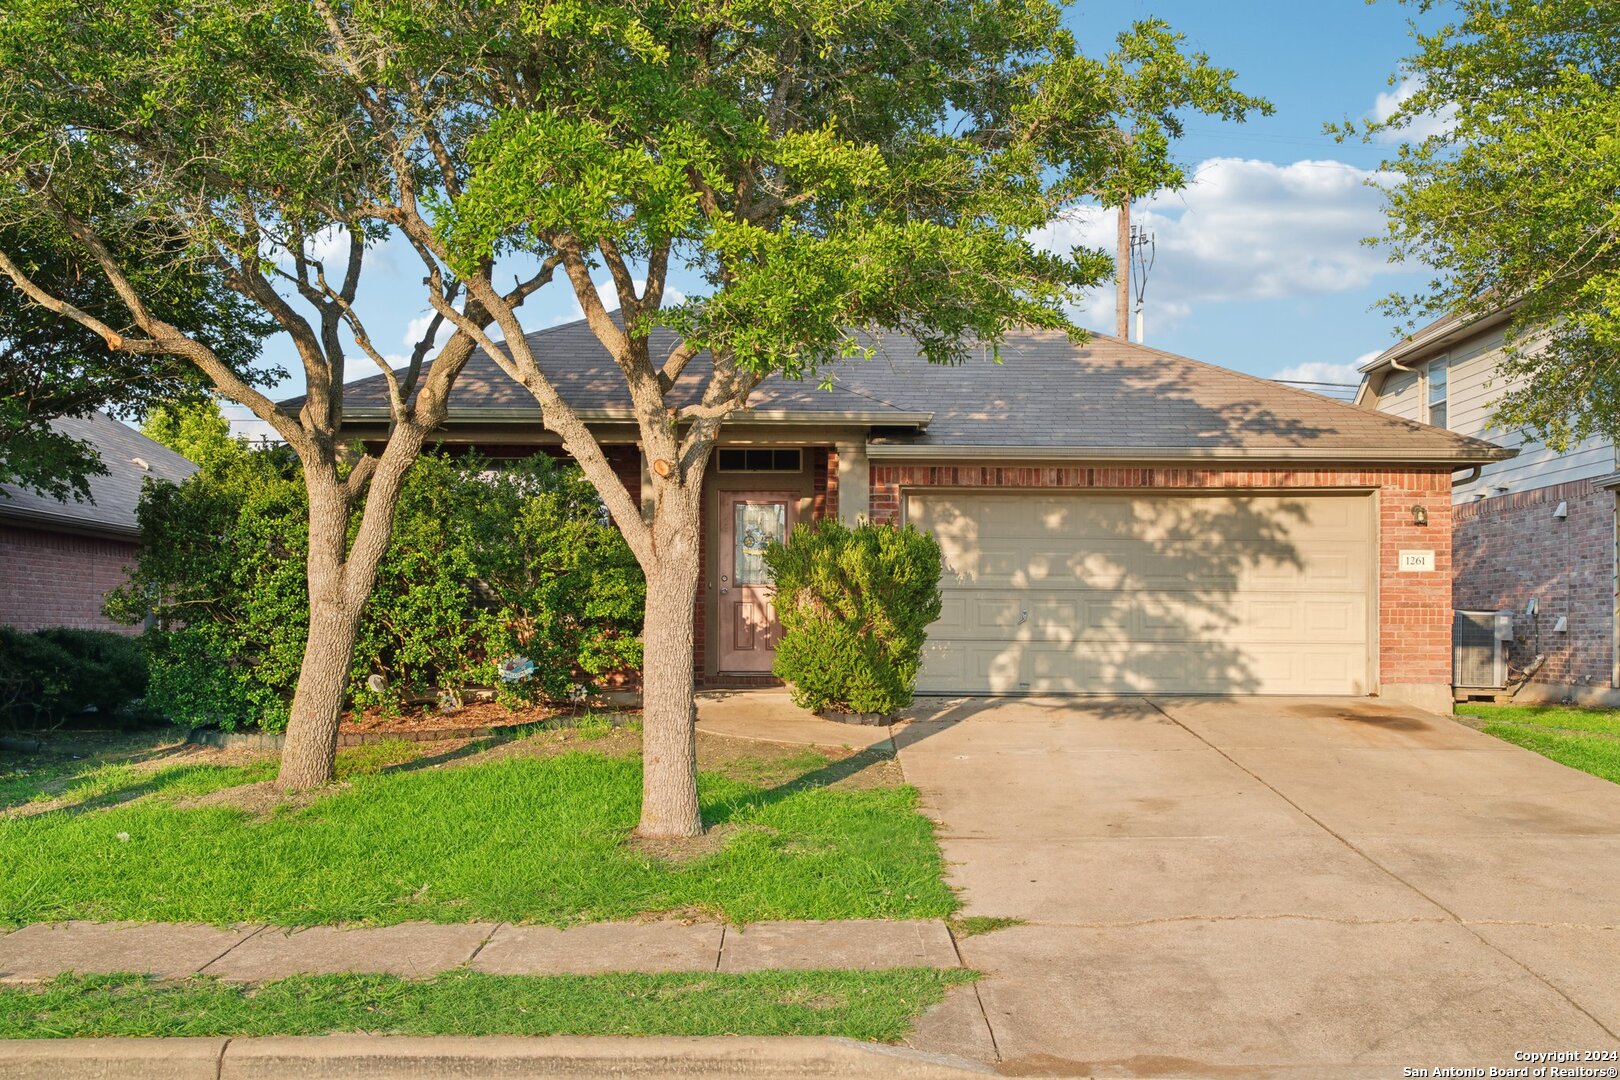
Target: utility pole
[1143, 248]
[1122, 274]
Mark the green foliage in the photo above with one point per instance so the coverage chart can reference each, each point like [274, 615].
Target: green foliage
[196, 430]
[483, 564]
[221, 567]
[54, 367]
[826, 166]
[48, 676]
[487, 564]
[855, 605]
[1511, 198]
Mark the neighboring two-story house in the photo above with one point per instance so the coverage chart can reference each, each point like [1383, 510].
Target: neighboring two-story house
[1540, 526]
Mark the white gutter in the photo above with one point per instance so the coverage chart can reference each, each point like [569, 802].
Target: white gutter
[795, 417]
[880, 451]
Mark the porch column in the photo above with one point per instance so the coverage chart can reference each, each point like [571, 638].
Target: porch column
[854, 482]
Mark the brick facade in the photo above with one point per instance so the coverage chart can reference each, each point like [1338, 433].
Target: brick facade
[1511, 548]
[1414, 609]
[60, 579]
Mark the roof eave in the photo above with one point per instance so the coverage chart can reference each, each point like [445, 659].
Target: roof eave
[44, 520]
[1437, 334]
[1460, 456]
[793, 417]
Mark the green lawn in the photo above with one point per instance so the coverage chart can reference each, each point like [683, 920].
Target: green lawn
[521, 839]
[868, 1005]
[1585, 739]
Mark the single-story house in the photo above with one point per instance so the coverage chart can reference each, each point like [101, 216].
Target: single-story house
[58, 560]
[1114, 518]
[1535, 536]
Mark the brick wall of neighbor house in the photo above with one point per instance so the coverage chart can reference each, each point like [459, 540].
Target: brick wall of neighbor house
[60, 579]
[1414, 640]
[1510, 548]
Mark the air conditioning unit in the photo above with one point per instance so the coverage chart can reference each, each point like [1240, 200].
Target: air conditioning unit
[1479, 649]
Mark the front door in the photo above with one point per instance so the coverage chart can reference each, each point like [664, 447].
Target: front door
[746, 613]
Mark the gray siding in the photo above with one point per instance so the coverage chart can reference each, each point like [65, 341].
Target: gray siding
[1474, 389]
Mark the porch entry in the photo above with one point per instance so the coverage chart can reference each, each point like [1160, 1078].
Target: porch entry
[749, 521]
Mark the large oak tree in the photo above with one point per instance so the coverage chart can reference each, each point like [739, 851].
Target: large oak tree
[227, 134]
[827, 169]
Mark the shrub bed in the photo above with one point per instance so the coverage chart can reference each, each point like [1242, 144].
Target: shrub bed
[485, 564]
[50, 676]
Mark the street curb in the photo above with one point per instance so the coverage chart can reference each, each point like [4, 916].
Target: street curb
[382, 1057]
[104, 1059]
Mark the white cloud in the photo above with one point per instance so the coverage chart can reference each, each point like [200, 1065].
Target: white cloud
[330, 247]
[416, 328]
[1243, 230]
[244, 425]
[1421, 127]
[1320, 371]
[609, 295]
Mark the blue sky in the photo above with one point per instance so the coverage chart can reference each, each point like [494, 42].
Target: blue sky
[1259, 265]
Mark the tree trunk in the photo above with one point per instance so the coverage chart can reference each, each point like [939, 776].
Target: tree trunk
[334, 622]
[308, 754]
[669, 801]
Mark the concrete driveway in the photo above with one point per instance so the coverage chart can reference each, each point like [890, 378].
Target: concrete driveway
[1267, 886]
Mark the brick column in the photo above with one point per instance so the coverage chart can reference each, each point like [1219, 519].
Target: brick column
[854, 482]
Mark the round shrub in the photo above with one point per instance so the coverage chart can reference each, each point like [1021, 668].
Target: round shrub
[855, 605]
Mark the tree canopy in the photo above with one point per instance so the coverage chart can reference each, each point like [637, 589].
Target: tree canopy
[51, 366]
[1509, 192]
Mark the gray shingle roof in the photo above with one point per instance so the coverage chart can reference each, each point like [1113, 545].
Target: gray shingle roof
[1047, 395]
[113, 497]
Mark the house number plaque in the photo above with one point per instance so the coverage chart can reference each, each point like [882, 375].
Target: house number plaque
[1416, 561]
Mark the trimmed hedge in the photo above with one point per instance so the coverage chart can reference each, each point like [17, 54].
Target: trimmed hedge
[855, 605]
[484, 564]
[50, 676]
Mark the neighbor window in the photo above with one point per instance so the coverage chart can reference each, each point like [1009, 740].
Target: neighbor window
[759, 460]
[1437, 392]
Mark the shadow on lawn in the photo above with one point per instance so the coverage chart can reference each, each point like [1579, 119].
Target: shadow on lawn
[824, 776]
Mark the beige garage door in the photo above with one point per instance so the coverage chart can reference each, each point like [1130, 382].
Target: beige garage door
[1134, 594]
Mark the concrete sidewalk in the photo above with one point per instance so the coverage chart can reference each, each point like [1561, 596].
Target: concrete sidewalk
[770, 716]
[382, 1057]
[417, 950]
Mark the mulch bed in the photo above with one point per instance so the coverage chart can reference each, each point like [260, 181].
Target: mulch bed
[471, 721]
[487, 714]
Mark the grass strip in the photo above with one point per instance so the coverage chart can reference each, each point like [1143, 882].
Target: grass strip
[520, 839]
[876, 1006]
[1595, 754]
[1559, 717]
